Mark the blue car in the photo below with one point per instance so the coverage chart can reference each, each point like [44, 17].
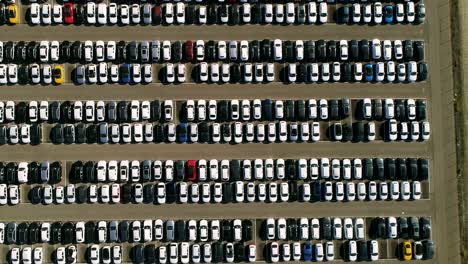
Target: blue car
[307, 251]
[182, 132]
[369, 72]
[388, 14]
[124, 73]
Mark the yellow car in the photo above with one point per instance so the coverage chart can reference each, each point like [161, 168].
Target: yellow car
[406, 250]
[58, 74]
[12, 14]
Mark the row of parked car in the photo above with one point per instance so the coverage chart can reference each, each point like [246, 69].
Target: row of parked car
[177, 13]
[376, 13]
[20, 134]
[389, 72]
[211, 110]
[266, 50]
[234, 133]
[8, 14]
[31, 74]
[380, 169]
[87, 111]
[9, 194]
[403, 227]
[126, 231]
[238, 192]
[30, 172]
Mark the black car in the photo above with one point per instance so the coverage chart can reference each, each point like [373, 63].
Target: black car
[212, 13]
[180, 229]
[234, 15]
[239, 252]
[265, 50]
[3, 135]
[148, 193]
[364, 52]
[223, 110]
[419, 50]
[65, 51]
[33, 172]
[309, 51]
[377, 109]
[228, 192]
[90, 232]
[11, 169]
[69, 134]
[292, 230]
[290, 169]
[124, 233]
[150, 253]
[247, 230]
[345, 107]
[421, 109]
[408, 50]
[55, 172]
[332, 50]
[211, 51]
[288, 51]
[35, 195]
[92, 134]
[159, 134]
[56, 233]
[34, 233]
[301, 73]
[301, 114]
[21, 52]
[334, 109]
[132, 48]
[363, 252]
[3, 17]
[254, 51]
[32, 51]
[226, 131]
[422, 71]
[218, 252]
[428, 249]
[378, 228]
[54, 112]
[412, 169]
[68, 233]
[66, 110]
[80, 133]
[76, 51]
[390, 169]
[368, 169]
[179, 170]
[235, 170]
[346, 72]
[126, 193]
[9, 52]
[89, 172]
[81, 194]
[423, 169]
[23, 234]
[425, 225]
[402, 171]
[121, 54]
[326, 232]
[379, 171]
[289, 113]
[403, 231]
[21, 112]
[177, 51]
[79, 14]
[343, 15]
[321, 50]
[138, 255]
[35, 132]
[347, 131]
[354, 50]
[57, 134]
[235, 73]
[11, 233]
[414, 230]
[2, 173]
[226, 230]
[23, 74]
[77, 172]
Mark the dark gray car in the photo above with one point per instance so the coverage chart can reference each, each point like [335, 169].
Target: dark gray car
[144, 51]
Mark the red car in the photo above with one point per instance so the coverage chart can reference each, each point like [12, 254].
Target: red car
[68, 13]
[188, 46]
[191, 170]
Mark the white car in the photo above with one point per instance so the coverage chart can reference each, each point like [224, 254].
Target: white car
[323, 12]
[46, 14]
[91, 13]
[102, 14]
[124, 14]
[135, 14]
[35, 14]
[311, 12]
[356, 13]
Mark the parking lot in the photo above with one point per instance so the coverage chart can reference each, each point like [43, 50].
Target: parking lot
[438, 201]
